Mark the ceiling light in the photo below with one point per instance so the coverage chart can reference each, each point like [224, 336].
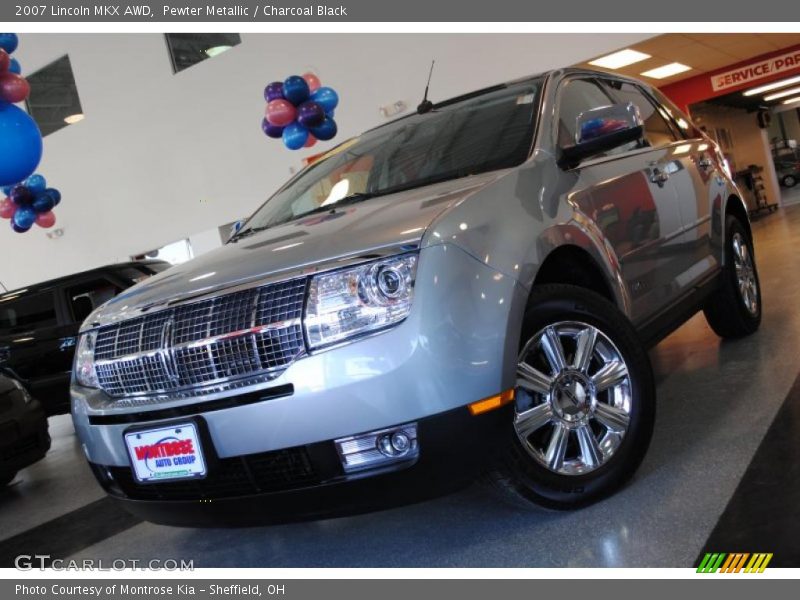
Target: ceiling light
[212, 52]
[620, 59]
[772, 86]
[666, 71]
[73, 118]
[791, 100]
[783, 94]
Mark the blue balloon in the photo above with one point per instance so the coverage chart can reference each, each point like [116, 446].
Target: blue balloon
[24, 217]
[294, 136]
[330, 113]
[35, 183]
[326, 131]
[273, 131]
[9, 42]
[55, 195]
[43, 201]
[20, 144]
[15, 67]
[295, 89]
[17, 228]
[326, 97]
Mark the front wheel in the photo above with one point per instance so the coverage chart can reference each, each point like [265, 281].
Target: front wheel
[789, 181]
[585, 401]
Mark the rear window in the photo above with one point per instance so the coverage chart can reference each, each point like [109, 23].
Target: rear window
[27, 311]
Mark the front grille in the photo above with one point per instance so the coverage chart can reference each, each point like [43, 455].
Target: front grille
[254, 331]
[266, 472]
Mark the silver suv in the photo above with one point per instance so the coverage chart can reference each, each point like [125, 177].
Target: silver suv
[470, 287]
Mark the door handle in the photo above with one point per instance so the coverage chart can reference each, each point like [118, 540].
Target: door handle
[659, 176]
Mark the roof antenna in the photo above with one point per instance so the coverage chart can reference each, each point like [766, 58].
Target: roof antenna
[426, 105]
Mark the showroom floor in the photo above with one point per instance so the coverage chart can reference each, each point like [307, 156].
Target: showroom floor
[716, 402]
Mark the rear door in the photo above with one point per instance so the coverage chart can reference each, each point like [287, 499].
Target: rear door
[632, 200]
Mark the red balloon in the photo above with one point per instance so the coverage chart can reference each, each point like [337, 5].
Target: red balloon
[46, 219]
[13, 88]
[310, 141]
[313, 82]
[5, 61]
[7, 208]
[280, 112]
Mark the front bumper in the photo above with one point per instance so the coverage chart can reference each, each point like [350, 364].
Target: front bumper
[454, 447]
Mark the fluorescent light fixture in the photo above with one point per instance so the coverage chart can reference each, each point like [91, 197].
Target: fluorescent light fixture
[666, 71]
[772, 86]
[620, 59]
[682, 149]
[783, 94]
[791, 101]
[212, 52]
[74, 118]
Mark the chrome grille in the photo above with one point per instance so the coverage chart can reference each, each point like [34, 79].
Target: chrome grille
[251, 332]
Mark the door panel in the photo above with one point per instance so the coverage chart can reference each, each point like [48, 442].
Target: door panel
[635, 206]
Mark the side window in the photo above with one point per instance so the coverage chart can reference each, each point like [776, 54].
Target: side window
[85, 297]
[27, 312]
[578, 96]
[657, 129]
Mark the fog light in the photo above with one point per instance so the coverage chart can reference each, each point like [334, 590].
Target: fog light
[378, 448]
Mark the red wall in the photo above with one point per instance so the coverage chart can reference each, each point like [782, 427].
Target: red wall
[698, 88]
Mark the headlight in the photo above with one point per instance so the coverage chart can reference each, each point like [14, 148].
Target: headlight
[84, 360]
[354, 301]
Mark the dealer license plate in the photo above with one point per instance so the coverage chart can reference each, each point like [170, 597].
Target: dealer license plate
[166, 453]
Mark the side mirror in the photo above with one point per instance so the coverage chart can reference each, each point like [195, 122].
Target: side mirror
[602, 129]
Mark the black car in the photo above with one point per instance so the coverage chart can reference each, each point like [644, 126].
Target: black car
[39, 325]
[23, 429]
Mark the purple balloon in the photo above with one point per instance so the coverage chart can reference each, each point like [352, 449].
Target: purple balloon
[271, 130]
[274, 91]
[21, 195]
[310, 114]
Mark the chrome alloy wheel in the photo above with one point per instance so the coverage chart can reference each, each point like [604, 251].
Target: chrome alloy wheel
[573, 398]
[745, 273]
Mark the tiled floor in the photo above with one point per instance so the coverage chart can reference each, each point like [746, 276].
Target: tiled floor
[716, 401]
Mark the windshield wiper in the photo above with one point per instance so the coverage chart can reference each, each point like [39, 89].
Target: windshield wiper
[351, 199]
[243, 233]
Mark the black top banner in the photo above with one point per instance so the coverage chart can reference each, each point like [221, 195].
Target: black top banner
[66, 11]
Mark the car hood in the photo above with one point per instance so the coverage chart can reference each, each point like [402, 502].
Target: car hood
[298, 247]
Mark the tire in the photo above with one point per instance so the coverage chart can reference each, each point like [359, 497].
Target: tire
[789, 181]
[571, 313]
[727, 311]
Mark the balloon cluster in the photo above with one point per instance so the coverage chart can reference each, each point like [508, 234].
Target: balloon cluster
[300, 111]
[30, 202]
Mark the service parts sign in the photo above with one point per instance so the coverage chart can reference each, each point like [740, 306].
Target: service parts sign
[755, 71]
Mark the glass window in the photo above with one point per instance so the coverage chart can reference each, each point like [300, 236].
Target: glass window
[29, 311]
[53, 102]
[187, 49]
[656, 128]
[578, 96]
[85, 297]
[481, 132]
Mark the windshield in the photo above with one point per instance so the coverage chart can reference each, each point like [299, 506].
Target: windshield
[481, 132]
